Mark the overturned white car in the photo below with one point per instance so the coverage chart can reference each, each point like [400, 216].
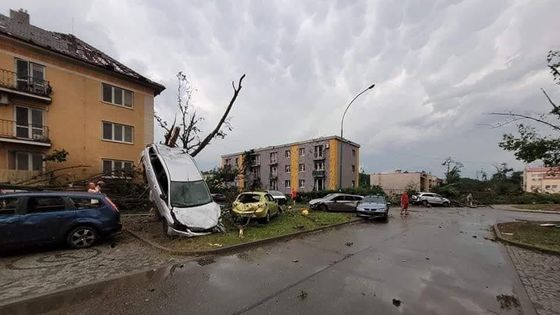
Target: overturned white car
[179, 192]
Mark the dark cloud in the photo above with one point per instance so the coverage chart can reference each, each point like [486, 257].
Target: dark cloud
[439, 66]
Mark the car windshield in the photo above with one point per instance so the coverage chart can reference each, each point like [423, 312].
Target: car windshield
[189, 194]
[329, 196]
[249, 198]
[374, 199]
[276, 193]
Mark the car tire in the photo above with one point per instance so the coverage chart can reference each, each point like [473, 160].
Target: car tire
[446, 204]
[323, 208]
[425, 203]
[82, 236]
[266, 219]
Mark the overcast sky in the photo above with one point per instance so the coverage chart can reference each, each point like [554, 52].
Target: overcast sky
[439, 67]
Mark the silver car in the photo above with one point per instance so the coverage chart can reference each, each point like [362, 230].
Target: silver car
[336, 202]
[428, 199]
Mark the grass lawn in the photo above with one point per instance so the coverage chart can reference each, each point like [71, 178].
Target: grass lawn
[547, 207]
[286, 223]
[532, 233]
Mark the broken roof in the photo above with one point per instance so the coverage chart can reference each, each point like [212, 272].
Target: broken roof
[17, 26]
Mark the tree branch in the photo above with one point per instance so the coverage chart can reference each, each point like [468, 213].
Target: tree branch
[216, 130]
[555, 110]
[528, 117]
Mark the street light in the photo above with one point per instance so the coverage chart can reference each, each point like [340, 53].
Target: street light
[342, 133]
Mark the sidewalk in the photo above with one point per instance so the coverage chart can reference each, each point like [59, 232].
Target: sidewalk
[513, 208]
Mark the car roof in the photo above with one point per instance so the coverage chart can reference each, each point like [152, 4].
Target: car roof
[53, 193]
[254, 192]
[180, 165]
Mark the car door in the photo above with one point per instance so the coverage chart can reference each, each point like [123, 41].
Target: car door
[336, 203]
[157, 179]
[46, 218]
[272, 204]
[438, 199]
[346, 204]
[10, 220]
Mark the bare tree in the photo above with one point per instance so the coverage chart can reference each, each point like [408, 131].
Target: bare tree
[187, 130]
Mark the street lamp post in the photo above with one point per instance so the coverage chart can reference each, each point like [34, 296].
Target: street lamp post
[342, 133]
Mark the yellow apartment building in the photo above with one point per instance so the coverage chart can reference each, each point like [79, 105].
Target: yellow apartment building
[541, 180]
[58, 92]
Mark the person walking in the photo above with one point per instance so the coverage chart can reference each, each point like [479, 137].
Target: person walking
[404, 203]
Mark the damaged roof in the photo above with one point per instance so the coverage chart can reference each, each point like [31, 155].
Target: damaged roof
[17, 26]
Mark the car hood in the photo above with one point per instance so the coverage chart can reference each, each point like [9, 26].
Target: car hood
[204, 217]
[372, 205]
[313, 201]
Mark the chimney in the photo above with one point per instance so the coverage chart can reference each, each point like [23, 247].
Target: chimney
[20, 17]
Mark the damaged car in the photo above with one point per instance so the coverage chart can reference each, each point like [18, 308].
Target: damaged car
[258, 205]
[179, 192]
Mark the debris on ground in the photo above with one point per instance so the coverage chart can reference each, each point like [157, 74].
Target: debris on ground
[508, 234]
[299, 227]
[240, 233]
[152, 290]
[397, 302]
[489, 238]
[427, 258]
[363, 294]
[295, 260]
[215, 244]
[507, 301]
[302, 295]
[113, 245]
[349, 244]
[547, 224]
[474, 236]
[404, 260]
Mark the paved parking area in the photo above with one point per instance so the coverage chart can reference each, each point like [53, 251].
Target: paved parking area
[43, 271]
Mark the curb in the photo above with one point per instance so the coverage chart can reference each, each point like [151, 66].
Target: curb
[521, 244]
[239, 246]
[528, 211]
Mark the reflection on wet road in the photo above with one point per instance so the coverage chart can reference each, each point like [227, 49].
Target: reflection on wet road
[436, 261]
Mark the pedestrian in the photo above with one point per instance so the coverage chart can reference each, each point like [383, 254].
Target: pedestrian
[94, 189]
[470, 200]
[404, 203]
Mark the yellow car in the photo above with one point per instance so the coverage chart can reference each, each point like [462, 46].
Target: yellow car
[257, 205]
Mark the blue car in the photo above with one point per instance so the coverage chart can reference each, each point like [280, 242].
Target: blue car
[78, 219]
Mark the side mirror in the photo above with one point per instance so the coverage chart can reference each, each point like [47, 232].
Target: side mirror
[163, 197]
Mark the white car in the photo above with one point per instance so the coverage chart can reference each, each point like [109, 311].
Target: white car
[179, 192]
[428, 198]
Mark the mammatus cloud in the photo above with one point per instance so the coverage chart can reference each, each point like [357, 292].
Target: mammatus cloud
[439, 66]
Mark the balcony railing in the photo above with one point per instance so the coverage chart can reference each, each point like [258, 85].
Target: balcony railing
[318, 156]
[319, 173]
[11, 129]
[11, 80]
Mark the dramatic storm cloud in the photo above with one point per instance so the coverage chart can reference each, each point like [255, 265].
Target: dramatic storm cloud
[439, 66]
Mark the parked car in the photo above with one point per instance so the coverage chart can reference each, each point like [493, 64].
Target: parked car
[179, 192]
[336, 202]
[219, 197]
[428, 198]
[278, 196]
[373, 207]
[79, 219]
[258, 205]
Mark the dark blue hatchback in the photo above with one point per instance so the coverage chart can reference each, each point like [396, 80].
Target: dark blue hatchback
[79, 219]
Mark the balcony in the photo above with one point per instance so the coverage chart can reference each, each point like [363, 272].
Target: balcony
[32, 134]
[25, 86]
[318, 173]
[273, 162]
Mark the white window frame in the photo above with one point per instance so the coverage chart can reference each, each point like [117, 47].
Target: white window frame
[287, 183]
[274, 171]
[114, 125]
[321, 164]
[113, 161]
[288, 168]
[273, 157]
[112, 102]
[318, 153]
[301, 167]
[29, 161]
[29, 125]
[288, 154]
[301, 152]
[301, 183]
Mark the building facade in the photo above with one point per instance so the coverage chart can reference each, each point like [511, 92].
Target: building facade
[60, 93]
[301, 166]
[541, 180]
[398, 181]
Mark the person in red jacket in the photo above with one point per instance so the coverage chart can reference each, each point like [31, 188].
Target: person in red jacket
[404, 203]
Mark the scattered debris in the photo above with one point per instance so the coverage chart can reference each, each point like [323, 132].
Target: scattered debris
[152, 290]
[404, 260]
[181, 265]
[302, 295]
[215, 244]
[295, 261]
[489, 238]
[427, 258]
[507, 301]
[113, 245]
[508, 234]
[240, 233]
[299, 227]
[349, 244]
[547, 224]
[474, 236]
[363, 294]
[397, 302]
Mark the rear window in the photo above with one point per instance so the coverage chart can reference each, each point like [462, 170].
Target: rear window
[86, 203]
[248, 198]
[8, 205]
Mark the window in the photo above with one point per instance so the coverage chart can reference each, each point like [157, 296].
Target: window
[45, 204]
[288, 154]
[547, 187]
[118, 133]
[117, 168]
[287, 168]
[117, 96]
[273, 184]
[353, 168]
[318, 151]
[353, 152]
[228, 162]
[353, 183]
[86, 203]
[29, 123]
[301, 151]
[25, 161]
[30, 76]
[302, 183]
[273, 157]
[319, 166]
[274, 170]
[269, 197]
[319, 184]
[256, 171]
[302, 167]
[8, 205]
[287, 183]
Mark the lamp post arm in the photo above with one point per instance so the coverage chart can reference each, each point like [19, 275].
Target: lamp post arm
[344, 115]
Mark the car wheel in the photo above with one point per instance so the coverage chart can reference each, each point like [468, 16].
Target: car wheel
[82, 236]
[386, 218]
[323, 208]
[266, 219]
[425, 203]
[446, 204]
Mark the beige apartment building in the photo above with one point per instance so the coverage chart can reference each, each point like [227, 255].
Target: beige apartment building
[58, 92]
[541, 180]
[398, 181]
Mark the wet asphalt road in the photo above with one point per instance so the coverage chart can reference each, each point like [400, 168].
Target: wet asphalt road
[436, 261]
